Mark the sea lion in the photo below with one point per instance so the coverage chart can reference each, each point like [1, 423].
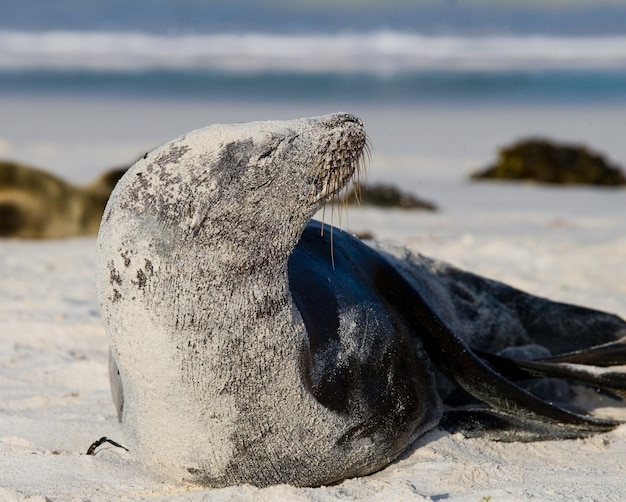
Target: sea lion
[252, 345]
[35, 204]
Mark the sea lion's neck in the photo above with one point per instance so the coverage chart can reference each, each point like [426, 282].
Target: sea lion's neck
[255, 297]
[240, 301]
[252, 323]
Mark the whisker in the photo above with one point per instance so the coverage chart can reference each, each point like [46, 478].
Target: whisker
[362, 164]
[332, 248]
[339, 215]
[343, 169]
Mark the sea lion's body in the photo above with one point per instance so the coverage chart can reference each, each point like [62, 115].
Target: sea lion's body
[249, 348]
[35, 204]
[221, 384]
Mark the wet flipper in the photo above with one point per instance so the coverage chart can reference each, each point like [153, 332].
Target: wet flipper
[514, 406]
[607, 354]
[597, 376]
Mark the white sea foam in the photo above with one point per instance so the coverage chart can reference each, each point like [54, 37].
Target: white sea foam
[379, 51]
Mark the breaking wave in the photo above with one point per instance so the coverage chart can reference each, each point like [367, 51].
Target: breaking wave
[380, 52]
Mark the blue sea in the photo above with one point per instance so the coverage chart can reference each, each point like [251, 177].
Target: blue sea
[396, 51]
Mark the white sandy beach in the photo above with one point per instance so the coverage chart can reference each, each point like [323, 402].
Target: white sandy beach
[568, 244]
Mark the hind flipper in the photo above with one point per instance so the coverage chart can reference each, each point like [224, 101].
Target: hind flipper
[458, 360]
[498, 426]
[597, 376]
[492, 316]
[608, 354]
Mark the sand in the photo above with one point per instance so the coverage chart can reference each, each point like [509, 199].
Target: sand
[567, 244]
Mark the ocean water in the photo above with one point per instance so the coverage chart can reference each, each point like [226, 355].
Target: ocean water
[342, 51]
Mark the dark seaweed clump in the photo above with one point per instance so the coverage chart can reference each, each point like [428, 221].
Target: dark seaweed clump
[384, 195]
[544, 161]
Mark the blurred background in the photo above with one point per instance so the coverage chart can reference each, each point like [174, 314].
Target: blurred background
[420, 50]
[86, 85]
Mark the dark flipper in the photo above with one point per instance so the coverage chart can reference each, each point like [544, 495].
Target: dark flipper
[492, 424]
[597, 376]
[608, 354]
[456, 300]
[474, 375]
[493, 316]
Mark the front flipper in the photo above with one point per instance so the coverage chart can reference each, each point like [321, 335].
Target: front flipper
[115, 382]
[515, 406]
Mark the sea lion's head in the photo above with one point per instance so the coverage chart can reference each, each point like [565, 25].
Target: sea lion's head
[228, 185]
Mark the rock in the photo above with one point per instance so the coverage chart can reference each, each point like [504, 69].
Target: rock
[545, 161]
[384, 195]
